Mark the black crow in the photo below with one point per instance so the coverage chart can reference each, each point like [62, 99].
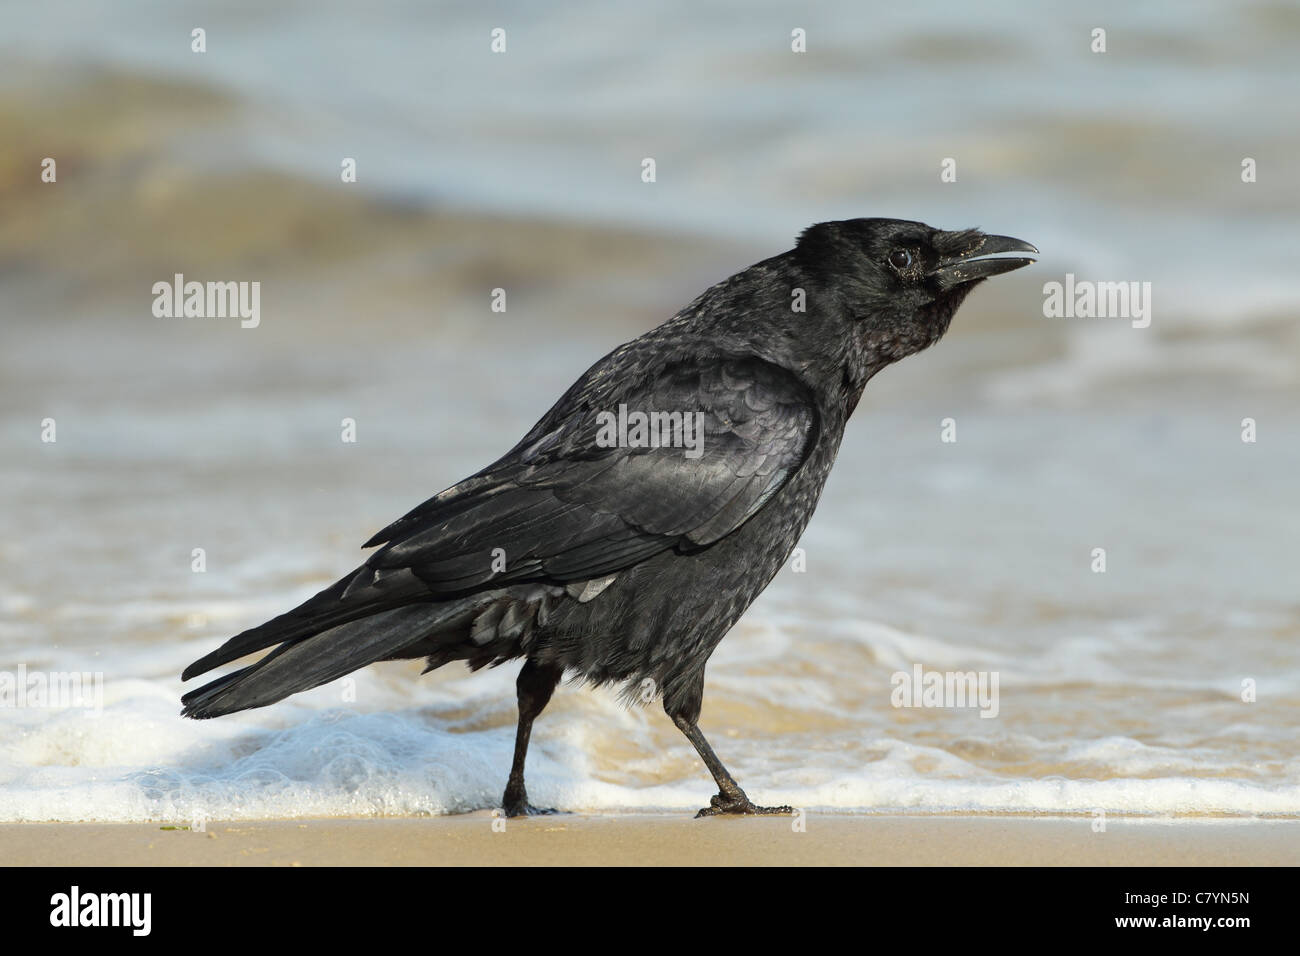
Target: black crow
[627, 532]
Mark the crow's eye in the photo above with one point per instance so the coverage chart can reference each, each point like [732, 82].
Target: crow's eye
[900, 259]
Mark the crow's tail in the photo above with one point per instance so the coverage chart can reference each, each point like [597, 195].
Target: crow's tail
[301, 663]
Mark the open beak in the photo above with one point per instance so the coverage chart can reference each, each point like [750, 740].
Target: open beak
[983, 260]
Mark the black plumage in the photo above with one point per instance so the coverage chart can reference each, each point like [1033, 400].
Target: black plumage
[629, 563]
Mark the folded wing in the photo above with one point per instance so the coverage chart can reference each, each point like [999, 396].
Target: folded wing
[568, 505]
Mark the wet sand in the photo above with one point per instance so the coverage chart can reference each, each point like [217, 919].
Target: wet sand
[479, 839]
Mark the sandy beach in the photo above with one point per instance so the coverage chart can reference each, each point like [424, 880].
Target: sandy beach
[662, 839]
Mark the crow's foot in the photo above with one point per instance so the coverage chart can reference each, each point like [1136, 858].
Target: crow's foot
[517, 805]
[739, 804]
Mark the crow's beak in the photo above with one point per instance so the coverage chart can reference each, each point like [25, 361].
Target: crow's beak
[980, 260]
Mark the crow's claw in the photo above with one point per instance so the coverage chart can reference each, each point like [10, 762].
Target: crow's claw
[740, 805]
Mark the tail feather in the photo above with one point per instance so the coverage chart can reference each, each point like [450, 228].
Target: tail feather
[308, 662]
[340, 603]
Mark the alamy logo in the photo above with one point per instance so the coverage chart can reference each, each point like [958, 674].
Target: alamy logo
[952, 689]
[208, 300]
[1084, 299]
[75, 908]
[626, 429]
[52, 689]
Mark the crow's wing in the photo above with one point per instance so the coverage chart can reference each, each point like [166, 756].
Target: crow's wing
[564, 506]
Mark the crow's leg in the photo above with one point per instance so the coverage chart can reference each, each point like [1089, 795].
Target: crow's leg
[684, 709]
[534, 687]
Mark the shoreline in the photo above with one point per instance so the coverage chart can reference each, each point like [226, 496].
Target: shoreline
[661, 839]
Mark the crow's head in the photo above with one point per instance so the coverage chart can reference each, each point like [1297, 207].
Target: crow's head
[900, 281]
